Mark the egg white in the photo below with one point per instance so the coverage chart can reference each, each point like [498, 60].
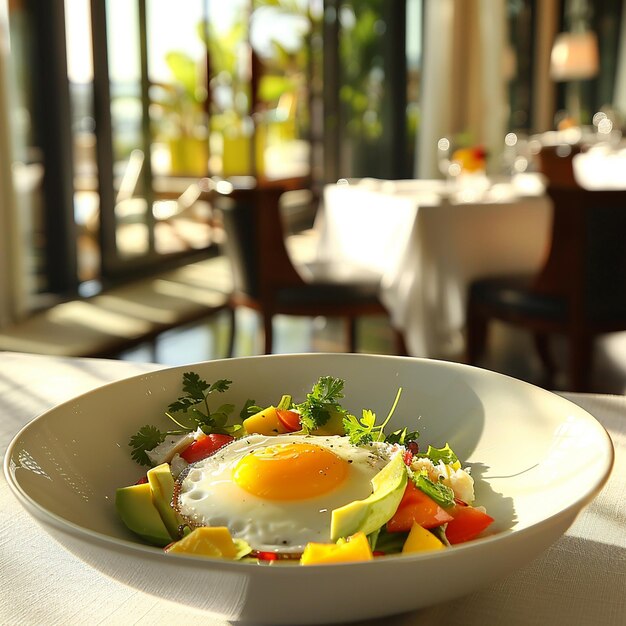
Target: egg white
[208, 496]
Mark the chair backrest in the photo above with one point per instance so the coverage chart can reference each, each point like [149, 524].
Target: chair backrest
[605, 253]
[587, 261]
[556, 164]
[255, 240]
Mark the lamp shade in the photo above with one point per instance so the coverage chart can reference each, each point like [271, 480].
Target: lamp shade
[574, 56]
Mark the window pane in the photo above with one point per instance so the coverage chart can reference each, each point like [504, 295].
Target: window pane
[28, 165]
[86, 198]
[280, 37]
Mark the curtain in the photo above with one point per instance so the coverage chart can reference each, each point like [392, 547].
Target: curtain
[12, 271]
[463, 77]
[619, 95]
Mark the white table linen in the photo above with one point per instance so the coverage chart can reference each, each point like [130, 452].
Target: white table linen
[428, 246]
[580, 580]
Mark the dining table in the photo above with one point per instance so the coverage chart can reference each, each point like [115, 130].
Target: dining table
[579, 580]
[428, 239]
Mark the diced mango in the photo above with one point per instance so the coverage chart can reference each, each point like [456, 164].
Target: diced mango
[334, 426]
[161, 484]
[421, 540]
[355, 548]
[264, 422]
[209, 541]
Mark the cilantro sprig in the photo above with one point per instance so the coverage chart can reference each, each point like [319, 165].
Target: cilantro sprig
[147, 438]
[194, 405]
[322, 402]
[195, 412]
[365, 430]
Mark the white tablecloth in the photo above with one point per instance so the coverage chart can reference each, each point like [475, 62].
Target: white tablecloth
[580, 580]
[428, 247]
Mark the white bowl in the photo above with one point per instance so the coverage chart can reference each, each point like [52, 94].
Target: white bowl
[537, 460]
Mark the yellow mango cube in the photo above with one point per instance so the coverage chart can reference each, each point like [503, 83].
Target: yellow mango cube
[355, 548]
[264, 422]
[211, 541]
[421, 540]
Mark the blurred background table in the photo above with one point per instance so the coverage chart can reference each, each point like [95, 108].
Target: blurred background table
[579, 580]
[428, 241]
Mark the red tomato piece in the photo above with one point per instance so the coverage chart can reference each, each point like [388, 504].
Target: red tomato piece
[416, 506]
[204, 446]
[289, 419]
[467, 523]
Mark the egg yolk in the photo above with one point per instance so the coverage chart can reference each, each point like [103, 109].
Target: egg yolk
[290, 472]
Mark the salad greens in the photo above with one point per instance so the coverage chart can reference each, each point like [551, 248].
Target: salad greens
[321, 402]
[437, 496]
[194, 405]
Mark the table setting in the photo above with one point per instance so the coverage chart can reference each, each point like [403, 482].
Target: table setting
[428, 239]
[566, 543]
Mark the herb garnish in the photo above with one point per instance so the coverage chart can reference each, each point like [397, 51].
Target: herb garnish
[195, 399]
[365, 430]
[197, 414]
[147, 438]
[322, 402]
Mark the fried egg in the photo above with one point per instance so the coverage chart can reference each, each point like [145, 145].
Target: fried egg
[277, 493]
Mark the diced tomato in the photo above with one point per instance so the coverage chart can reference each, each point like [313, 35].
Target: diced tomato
[142, 481]
[289, 419]
[467, 523]
[416, 506]
[266, 556]
[204, 446]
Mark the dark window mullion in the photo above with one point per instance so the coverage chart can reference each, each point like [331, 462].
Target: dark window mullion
[54, 135]
[394, 108]
[331, 83]
[146, 132]
[104, 139]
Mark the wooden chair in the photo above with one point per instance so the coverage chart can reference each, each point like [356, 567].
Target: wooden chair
[265, 278]
[580, 292]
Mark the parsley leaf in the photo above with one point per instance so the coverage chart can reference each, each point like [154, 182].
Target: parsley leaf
[365, 430]
[327, 390]
[194, 386]
[194, 404]
[322, 403]
[360, 431]
[195, 407]
[147, 438]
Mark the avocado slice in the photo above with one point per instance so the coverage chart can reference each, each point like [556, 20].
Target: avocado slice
[135, 508]
[161, 484]
[370, 514]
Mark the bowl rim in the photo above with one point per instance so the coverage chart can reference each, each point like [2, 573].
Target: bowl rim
[44, 516]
